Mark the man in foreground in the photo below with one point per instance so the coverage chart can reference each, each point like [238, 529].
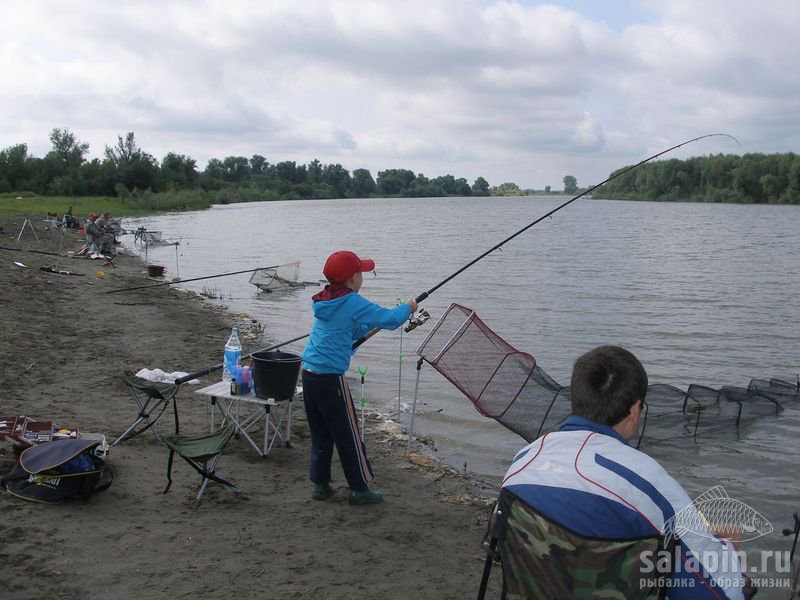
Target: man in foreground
[590, 488]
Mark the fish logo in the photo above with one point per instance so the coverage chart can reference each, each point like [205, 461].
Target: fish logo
[714, 512]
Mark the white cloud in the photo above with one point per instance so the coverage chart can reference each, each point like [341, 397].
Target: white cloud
[466, 87]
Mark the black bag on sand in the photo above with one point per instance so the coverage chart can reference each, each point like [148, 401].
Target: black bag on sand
[54, 471]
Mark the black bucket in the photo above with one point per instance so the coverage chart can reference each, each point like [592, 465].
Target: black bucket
[275, 374]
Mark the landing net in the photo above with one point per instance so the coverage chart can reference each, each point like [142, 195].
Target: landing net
[507, 385]
[146, 237]
[278, 278]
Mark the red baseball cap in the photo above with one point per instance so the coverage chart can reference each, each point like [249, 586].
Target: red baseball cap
[342, 265]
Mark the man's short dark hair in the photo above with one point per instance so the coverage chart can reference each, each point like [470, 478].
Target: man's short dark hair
[606, 383]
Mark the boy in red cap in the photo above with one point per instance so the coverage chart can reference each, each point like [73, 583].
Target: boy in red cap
[341, 316]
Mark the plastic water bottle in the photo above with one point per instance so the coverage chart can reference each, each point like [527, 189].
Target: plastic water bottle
[233, 352]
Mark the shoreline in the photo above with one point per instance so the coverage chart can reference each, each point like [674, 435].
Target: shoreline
[65, 345]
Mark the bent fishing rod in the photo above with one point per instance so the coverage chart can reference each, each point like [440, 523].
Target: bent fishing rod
[145, 287]
[424, 295]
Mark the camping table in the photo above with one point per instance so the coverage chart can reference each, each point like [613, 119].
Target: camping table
[258, 410]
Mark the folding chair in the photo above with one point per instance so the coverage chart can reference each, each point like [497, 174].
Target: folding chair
[150, 397]
[202, 452]
[541, 560]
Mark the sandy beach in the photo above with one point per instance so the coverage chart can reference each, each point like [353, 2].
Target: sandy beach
[64, 346]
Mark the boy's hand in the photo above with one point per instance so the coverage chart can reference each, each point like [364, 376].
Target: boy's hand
[413, 305]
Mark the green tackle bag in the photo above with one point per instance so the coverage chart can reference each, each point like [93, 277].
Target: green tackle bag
[54, 471]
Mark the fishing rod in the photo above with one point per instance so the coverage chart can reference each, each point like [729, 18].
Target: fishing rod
[144, 287]
[34, 251]
[206, 371]
[424, 295]
[795, 570]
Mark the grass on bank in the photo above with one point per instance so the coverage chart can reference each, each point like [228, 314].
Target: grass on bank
[129, 204]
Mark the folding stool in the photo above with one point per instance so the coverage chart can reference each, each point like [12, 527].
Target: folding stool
[202, 453]
[152, 399]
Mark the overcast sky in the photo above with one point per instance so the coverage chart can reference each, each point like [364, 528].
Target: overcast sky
[518, 91]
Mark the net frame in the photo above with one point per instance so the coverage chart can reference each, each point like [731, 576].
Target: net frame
[495, 380]
[508, 385]
[278, 278]
[777, 389]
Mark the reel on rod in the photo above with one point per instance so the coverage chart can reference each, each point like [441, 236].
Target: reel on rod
[416, 320]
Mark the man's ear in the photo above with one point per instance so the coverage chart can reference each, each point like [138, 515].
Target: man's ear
[636, 409]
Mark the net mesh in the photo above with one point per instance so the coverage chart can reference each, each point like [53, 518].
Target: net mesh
[508, 386]
[277, 278]
[486, 368]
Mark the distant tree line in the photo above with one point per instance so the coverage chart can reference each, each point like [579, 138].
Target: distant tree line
[750, 178]
[134, 175]
[128, 171]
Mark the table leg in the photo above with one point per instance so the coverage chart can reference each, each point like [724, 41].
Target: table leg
[212, 420]
[236, 420]
[287, 441]
[265, 449]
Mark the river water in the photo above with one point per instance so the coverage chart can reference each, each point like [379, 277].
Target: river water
[701, 293]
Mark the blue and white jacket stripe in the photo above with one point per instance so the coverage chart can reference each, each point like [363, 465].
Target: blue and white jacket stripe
[586, 478]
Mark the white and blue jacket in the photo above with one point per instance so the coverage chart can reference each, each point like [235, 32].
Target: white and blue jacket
[341, 321]
[587, 479]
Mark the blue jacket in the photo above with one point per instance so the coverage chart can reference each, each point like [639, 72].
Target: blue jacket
[586, 478]
[340, 322]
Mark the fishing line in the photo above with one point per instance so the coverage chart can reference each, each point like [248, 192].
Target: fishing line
[144, 287]
[424, 295]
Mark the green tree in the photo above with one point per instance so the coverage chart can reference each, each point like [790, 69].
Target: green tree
[314, 171]
[422, 187]
[236, 169]
[792, 193]
[98, 177]
[125, 151]
[59, 172]
[337, 177]
[133, 167]
[447, 183]
[215, 169]
[363, 184]
[507, 189]
[67, 148]
[288, 172]
[462, 187]
[258, 165]
[480, 187]
[393, 182]
[771, 186]
[570, 184]
[747, 181]
[178, 171]
[15, 167]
